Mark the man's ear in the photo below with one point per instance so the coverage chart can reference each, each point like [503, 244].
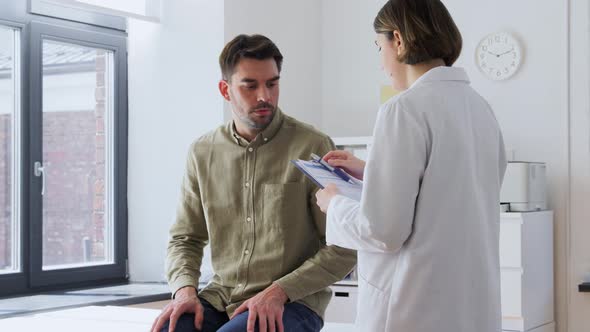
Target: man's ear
[224, 89]
[398, 43]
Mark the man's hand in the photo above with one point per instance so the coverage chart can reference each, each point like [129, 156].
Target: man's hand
[185, 301]
[268, 306]
[325, 195]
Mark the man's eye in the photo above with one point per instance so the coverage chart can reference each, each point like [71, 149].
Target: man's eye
[251, 87]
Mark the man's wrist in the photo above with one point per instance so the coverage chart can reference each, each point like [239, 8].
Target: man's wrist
[186, 292]
[279, 291]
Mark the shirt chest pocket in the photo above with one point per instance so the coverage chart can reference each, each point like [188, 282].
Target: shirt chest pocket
[284, 206]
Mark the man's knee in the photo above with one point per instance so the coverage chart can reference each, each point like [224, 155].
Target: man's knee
[186, 323]
[300, 318]
[296, 318]
[237, 324]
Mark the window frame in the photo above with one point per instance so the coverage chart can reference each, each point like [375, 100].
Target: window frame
[14, 282]
[95, 14]
[33, 29]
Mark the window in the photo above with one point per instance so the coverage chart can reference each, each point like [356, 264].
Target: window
[77, 155]
[63, 158]
[130, 6]
[108, 12]
[9, 150]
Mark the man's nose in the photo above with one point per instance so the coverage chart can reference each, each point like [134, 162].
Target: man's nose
[263, 94]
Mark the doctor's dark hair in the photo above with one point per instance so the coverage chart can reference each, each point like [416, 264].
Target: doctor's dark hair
[426, 28]
[256, 47]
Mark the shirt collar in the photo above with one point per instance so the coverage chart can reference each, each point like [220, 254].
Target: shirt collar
[442, 73]
[264, 136]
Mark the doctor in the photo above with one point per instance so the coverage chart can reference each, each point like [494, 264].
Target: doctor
[427, 226]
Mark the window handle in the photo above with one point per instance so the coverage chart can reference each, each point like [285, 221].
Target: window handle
[40, 171]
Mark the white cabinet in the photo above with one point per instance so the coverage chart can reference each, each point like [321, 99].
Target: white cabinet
[526, 270]
[342, 308]
[526, 275]
[359, 146]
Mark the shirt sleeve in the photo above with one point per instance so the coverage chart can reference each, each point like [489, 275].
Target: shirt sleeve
[188, 235]
[329, 265]
[382, 221]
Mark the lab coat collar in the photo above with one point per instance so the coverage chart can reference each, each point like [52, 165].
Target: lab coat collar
[442, 73]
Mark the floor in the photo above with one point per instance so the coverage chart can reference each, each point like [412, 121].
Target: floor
[151, 305]
[103, 319]
[115, 295]
[38, 312]
[86, 319]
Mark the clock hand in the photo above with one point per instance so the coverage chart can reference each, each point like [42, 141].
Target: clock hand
[512, 49]
[494, 54]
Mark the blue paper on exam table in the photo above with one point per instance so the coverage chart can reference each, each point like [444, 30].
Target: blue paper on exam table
[322, 177]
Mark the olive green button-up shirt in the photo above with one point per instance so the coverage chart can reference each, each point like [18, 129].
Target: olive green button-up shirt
[258, 213]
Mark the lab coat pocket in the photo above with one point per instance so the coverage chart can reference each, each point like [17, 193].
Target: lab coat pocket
[372, 307]
[376, 269]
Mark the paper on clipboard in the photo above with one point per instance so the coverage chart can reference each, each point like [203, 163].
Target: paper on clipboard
[322, 177]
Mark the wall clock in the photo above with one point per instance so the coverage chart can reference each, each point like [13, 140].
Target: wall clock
[499, 55]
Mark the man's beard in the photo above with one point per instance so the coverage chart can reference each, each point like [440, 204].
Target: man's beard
[256, 125]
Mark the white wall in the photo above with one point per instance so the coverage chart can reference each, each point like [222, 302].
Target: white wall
[294, 26]
[531, 107]
[579, 230]
[173, 99]
[351, 71]
[69, 92]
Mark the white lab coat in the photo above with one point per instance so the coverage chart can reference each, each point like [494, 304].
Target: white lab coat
[427, 226]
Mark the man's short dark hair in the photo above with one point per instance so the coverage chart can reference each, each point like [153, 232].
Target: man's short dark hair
[256, 47]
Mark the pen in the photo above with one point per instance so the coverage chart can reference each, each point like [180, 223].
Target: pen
[338, 171]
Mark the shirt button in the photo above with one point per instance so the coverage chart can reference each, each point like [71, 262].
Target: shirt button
[246, 252]
[239, 285]
[250, 149]
[266, 139]
[247, 184]
[248, 219]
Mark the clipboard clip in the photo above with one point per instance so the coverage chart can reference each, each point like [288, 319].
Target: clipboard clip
[336, 170]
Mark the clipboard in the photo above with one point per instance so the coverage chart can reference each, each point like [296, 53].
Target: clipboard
[321, 176]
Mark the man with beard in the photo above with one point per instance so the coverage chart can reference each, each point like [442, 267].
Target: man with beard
[272, 266]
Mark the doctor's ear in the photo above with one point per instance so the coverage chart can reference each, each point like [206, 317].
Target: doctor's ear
[398, 43]
[224, 89]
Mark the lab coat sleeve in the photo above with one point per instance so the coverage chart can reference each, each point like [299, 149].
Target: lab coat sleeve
[383, 219]
[502, 160]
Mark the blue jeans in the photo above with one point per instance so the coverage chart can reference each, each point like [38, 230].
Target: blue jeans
[296, 318]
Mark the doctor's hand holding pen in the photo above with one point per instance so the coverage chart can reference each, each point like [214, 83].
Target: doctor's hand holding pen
[347, 161]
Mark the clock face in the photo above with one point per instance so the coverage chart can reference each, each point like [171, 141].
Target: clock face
[498, 56]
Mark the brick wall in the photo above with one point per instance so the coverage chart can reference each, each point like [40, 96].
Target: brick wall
[69, 143]
[99, 199]
[5, 196]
